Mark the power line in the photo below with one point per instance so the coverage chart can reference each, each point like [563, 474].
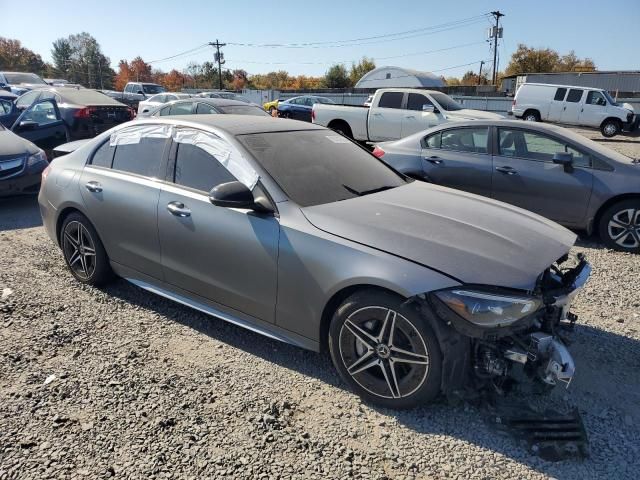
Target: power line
[193, 50]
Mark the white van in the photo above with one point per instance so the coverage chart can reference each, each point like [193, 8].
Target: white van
[590, 107]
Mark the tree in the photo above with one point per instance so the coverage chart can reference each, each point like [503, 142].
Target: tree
[360, 69]
[239, 79]
[13, 56]
[571, 63]
[471, 78]
[542, 60]
[336, 77]
[79, 59]
[452, 81]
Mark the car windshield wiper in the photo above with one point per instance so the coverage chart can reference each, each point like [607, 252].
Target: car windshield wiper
[367, 192]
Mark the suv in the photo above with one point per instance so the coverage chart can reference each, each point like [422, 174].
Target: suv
[589, 107]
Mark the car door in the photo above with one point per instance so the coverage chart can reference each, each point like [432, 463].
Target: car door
[572, 106]
[594, 111]
[226, 255]
[385, 119]
[556, 106]
[419, 115]
[524, 175]
[42, 124]
[294, 108]
[459, 158]
[120, 187]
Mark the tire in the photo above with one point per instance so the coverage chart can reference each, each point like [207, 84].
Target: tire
[531, 116]
[387, 353]
[619, 226]
[83, 251]
[273, 110]
[610, 128]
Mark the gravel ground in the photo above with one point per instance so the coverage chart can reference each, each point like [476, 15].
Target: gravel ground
[121, 383]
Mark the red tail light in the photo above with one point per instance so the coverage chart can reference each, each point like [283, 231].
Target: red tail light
[85, 112]
[378, 152]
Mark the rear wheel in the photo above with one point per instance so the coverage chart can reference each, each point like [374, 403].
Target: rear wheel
[610, 128]
[387, 353]
[342, 128]
[83, 251]
[531, 116]
[619, 226]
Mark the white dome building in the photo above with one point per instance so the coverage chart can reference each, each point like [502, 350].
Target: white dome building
[396, 77]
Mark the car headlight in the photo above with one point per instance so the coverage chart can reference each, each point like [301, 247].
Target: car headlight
[36, 158]
[488, 309]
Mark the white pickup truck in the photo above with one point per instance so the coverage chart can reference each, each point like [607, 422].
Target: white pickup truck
[394, 113]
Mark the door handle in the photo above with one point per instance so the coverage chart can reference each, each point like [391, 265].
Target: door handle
[507, 170]
[434, 159]
[410, 116]
[93, 186]
[377, 114]
[178, 209]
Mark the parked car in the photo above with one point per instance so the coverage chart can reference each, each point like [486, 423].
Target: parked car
[589, 107]
[295, 232]
[21, 82]
[395, 113]
[21, 164]
[135, 92]
[145, 106]
[271, 107]
[299, 108]
[85, 112]
[199, 105]
[546, 169]
[226, 95]
[40, 123]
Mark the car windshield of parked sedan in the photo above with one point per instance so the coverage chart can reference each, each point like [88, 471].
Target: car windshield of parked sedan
[446, 102]
[243, 110]
[153, 89]
[314, 167]
[15, 78]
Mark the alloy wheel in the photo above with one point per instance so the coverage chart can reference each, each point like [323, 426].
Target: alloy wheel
[610, 129]
[531, 118]
[383, 352]
[79, 250]
[624, 228]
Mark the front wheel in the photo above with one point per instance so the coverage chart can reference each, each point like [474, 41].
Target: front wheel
[386, 352]
[619, 226]
[610, 128]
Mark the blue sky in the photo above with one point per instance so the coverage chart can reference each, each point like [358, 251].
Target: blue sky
[155, 30]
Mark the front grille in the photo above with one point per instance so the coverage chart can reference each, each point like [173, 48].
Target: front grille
[10, 167]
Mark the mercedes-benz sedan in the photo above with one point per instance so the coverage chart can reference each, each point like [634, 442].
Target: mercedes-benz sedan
[295, 232]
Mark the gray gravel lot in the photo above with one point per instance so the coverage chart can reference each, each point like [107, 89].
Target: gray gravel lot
[120, 383]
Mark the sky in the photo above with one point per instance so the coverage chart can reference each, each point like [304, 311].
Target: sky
[447, 38]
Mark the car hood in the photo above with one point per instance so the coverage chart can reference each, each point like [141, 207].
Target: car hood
[469, 114]
[468, 237]
[11, 145]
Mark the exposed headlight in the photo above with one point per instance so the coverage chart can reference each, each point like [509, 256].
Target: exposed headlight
[38, 157]
[488, 309]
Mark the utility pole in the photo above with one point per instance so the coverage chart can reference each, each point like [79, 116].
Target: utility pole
[496, 31]
[480, 72]
[219, 57]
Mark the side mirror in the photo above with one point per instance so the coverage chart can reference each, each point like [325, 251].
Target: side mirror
[27, 125]
[426, 108]
[565, 159]
[232, 195]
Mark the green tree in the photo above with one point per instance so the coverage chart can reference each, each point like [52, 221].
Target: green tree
[13, 56]
[336, 77]
[541, 60]
[79, 59]
[358, 70]
[571, 63]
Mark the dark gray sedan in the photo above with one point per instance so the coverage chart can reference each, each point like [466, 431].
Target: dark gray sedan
[543, 168]
[202, 105]
[295, 232]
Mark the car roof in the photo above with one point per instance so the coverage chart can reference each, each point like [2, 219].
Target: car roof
[216, 102]
[80, 96]
[236, 124]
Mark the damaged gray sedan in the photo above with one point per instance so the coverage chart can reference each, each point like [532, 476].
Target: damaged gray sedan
[294, 232]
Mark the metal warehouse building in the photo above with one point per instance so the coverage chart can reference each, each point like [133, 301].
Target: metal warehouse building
[384, 77]
[620, 81]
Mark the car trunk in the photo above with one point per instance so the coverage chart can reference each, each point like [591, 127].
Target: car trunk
[95, 119]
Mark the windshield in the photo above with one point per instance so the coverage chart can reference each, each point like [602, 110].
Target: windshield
[15, 78]
[446, 102]
[152, 89]
[610, 99]
[314, 167]
[243, 110]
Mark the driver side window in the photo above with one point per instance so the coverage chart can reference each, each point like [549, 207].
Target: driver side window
[27, 99]
[43, 113]
[596, 98]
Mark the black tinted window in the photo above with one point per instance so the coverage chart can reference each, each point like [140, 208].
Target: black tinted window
[103, 155]
[203, 108]
[574, 95]
[318, 166]
[391, 100]
[143, 158]
[417, 101]
[560, 93]
[198, 169]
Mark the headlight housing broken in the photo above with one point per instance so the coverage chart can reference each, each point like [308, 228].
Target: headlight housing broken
[488, 309]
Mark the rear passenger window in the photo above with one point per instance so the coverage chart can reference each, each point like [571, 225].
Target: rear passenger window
[560, 93]
[574, 95]
[473, 140]
[198, 169]
[142, 158]
[204, 108]
[103, 156]
[181, 109]
[391, 100]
